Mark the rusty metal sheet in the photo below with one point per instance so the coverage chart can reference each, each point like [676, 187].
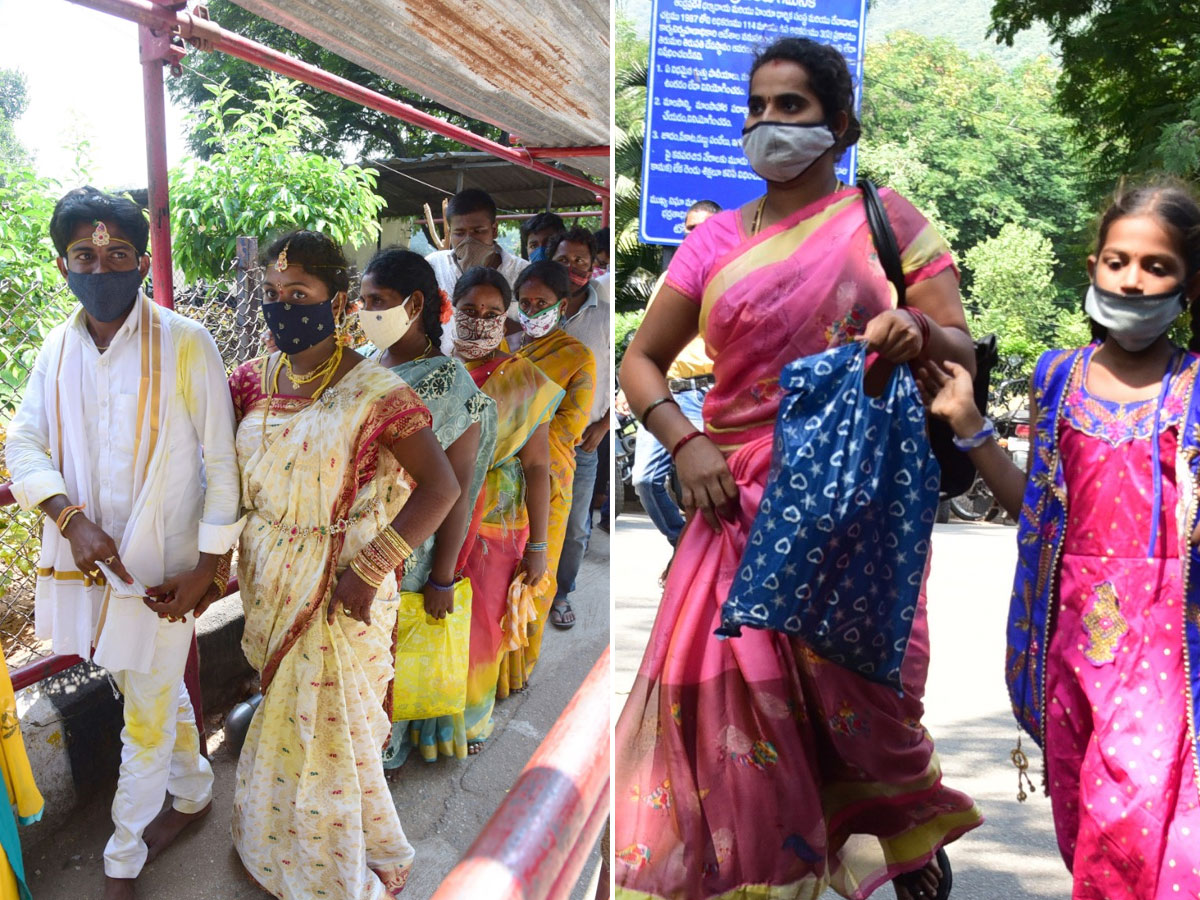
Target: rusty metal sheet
[537, 68]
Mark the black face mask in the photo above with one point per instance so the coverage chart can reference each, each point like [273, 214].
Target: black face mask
[107, 296]
[296, 326]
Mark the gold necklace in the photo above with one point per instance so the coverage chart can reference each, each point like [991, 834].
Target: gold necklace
[329, 365]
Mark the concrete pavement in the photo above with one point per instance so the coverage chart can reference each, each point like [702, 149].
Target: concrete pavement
[1013, 855]
[442, 805]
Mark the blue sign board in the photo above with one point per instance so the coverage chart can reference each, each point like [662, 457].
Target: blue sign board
[700, 56]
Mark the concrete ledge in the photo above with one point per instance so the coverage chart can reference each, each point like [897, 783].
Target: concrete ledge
[72, 721]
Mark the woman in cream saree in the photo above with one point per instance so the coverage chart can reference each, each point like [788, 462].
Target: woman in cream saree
[328, 484]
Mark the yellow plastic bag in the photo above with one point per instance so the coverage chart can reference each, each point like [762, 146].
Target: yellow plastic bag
[431, 657]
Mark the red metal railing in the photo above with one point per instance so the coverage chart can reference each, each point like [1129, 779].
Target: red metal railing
[536, 843]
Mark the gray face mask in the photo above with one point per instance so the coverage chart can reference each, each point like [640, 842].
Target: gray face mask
[781, 151]
[1134, 321]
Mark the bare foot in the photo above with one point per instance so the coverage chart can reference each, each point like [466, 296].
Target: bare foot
[166, 827]
[119, 888]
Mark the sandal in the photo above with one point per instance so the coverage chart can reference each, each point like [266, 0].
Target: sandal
[561, 615]
[908, 880]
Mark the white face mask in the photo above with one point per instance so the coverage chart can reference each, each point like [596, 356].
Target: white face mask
[383, 327]
[1134, 321]
[781, 151]
[541, 323]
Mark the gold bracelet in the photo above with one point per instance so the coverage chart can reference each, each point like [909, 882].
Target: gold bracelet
[370, 577]
[68, 513]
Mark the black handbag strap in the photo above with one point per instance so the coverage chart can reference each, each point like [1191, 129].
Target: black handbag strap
[884, 237]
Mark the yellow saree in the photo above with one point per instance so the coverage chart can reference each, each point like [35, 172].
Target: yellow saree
[312, 813]
[570, 364]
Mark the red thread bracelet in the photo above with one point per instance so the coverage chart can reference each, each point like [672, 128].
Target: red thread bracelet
[691, 436]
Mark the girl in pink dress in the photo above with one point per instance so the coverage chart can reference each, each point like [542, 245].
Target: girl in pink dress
[1102, 629]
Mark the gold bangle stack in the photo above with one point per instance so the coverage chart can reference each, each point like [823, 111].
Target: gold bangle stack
[65, 517]
[221, 579]
[383, 555]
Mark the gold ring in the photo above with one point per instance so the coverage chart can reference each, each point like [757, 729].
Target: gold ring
[109, 561]
[95, 573]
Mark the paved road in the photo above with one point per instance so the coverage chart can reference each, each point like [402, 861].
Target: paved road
[1013, 855]
[442, 806]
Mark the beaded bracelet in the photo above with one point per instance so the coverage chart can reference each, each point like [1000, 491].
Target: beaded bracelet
[691, 436]
[439, 587]
[655, 405]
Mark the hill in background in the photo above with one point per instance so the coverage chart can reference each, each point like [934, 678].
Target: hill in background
[965, 22]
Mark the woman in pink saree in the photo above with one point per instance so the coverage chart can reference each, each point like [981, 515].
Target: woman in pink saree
[750, 768]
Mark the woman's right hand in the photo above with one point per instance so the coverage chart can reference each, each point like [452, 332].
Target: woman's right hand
[706, 485]
[90, 544]
[532, 566]
[950, 395]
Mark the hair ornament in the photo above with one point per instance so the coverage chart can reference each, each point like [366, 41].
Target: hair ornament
[446, 312]
[281, 262]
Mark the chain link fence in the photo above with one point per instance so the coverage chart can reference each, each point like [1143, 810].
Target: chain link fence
[230, 308]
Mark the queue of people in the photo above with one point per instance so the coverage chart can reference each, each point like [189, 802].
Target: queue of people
[347, 478]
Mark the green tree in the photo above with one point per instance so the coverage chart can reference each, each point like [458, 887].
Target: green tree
[259, 180]
[637, 265]
[337, 122]
[973, 145]
[33, 298]
[1012, 295]
[13, 103]
[1130, 76]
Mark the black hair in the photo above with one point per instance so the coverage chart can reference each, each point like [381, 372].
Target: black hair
[1174, 204]
[86, 204]
[317, 254]
[470, 201]
[481, 275]
[709, 206]
[553, 275]
[405, 272]
[828, 76]
[540, 222]
[603, 238]
[576, 235]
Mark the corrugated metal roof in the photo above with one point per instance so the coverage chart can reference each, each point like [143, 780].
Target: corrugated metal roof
[539, 69]
[405, 183]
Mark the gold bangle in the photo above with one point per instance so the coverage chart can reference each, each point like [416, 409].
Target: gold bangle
[67, 513]
[370, 577]
[62, 529]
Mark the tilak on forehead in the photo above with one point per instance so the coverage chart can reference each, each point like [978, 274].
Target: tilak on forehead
[100, 237]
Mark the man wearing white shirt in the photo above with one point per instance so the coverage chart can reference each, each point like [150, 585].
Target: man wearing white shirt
[471, 220]
[587, 317]
[124, 438]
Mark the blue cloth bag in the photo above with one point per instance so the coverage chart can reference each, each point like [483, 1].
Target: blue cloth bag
[836, 553]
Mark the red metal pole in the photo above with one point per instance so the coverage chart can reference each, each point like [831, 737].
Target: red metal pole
[565, 152]
[212, 35]
[605, 206]
[531, 846]
[154, 44]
